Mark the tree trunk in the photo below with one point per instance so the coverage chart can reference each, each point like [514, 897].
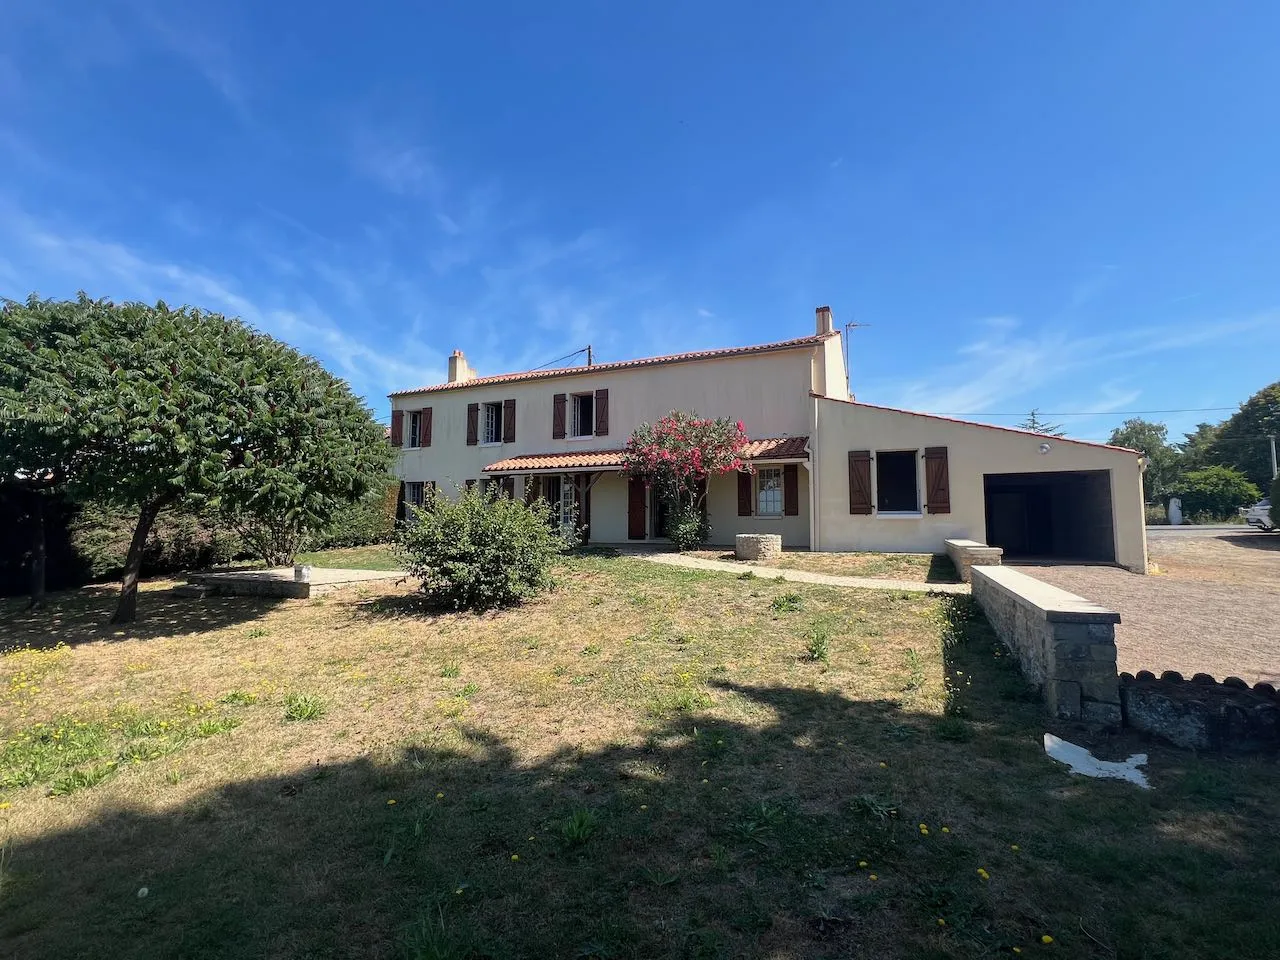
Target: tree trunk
[127, 608]
[39, 552]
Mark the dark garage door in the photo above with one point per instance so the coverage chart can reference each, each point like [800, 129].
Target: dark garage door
[1059, 515]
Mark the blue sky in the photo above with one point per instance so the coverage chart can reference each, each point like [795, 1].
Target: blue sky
[1067, 206]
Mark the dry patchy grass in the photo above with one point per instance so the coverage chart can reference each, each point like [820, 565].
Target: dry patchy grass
[651, 762]
[918, 567]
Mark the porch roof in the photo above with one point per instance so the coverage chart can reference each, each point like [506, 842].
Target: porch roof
[775, 448]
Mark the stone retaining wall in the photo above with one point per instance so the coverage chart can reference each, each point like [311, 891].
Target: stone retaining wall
[1065, 644]
[966, 554]
[1202, 714]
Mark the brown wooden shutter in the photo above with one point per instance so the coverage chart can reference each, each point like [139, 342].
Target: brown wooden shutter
[424, 427]
[744, 494]
[860, 482]
[790, 490]
[508, 421]
[473, 424]
[602, 413]
[558, 403]
[397, 428]
[937, 480]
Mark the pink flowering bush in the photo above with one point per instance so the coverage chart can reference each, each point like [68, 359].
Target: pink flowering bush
[676, 456]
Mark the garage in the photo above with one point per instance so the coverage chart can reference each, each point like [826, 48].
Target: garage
[1055, 515]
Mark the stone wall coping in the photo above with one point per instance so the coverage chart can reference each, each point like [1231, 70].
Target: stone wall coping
[1057, 605]
[971, 544]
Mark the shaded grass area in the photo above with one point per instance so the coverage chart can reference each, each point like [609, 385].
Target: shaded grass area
[378, 556]
[653, 762]
[920, 567]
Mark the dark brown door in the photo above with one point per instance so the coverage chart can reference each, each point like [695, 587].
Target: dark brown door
[636, 497]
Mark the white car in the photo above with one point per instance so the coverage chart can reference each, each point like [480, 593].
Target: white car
[1259, 515]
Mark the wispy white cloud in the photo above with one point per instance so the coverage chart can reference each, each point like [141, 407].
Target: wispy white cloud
[705, 313]
[1002, 366]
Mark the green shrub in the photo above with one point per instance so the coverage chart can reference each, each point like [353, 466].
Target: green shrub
[688, 525]
[1215, 492]
[369, 520]
[480, 551]
[178, 540]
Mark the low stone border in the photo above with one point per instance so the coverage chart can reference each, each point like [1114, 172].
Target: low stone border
[1200, 713]
[1065, 644]
[966, 554]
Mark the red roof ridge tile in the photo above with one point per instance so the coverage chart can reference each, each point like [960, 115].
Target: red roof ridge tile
[796, 343]
[975, 423]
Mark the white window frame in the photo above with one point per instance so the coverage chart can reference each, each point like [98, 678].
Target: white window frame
[760, 489]
[915, 514]
[575, 424]
[415, 428]
[491, 414]
[410, 486]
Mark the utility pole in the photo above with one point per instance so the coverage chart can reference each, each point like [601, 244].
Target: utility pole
[1275, 472]
[589, 364]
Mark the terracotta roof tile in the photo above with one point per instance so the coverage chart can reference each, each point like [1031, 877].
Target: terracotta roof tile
[809, 341]
[778, 448]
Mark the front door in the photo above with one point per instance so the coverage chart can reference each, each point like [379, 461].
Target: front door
[637, 495]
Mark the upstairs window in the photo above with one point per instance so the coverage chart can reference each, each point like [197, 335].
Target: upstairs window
[492, 423]
[897, 483]
[415, 428]
[584, 415]
[769, 492]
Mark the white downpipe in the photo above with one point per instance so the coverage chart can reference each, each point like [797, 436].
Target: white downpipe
[814, 500]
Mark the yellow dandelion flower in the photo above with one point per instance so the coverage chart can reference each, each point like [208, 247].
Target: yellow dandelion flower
[883, 764]
[391, 803]
[873, 877]
[459, 890]
[1014, 847]
[515, 858]
[946, 829]
[941, 922]
[1017, 949]
[644, 806]
[862, 863]
[439, 796]
[1046, 939]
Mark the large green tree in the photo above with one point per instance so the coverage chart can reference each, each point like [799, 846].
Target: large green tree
[1152, 440]
[1197, 447]
[1037, 424]
[150, 407]
[1242, 441]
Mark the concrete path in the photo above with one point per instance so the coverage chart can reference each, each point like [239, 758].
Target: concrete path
[799, 576]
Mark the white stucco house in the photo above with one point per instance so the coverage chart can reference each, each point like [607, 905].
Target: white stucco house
[830, 472]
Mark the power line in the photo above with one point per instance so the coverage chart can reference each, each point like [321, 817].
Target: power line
[565, 357]
[1089, 413]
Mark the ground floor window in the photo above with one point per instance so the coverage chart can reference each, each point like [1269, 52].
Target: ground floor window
[897, 482]
[413, 492]
[769, 492]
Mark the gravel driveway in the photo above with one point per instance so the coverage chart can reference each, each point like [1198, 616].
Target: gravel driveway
[1214, 608]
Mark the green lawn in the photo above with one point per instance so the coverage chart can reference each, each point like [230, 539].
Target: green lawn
[651, 762]
[376, 557]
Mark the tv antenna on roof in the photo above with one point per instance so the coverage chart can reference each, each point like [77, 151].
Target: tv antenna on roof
[848, 327]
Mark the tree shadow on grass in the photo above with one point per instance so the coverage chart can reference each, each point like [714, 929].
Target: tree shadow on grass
[74, 617]
[710, 837]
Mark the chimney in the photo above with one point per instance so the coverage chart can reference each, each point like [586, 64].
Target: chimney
[824, 320]
[459, 369]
